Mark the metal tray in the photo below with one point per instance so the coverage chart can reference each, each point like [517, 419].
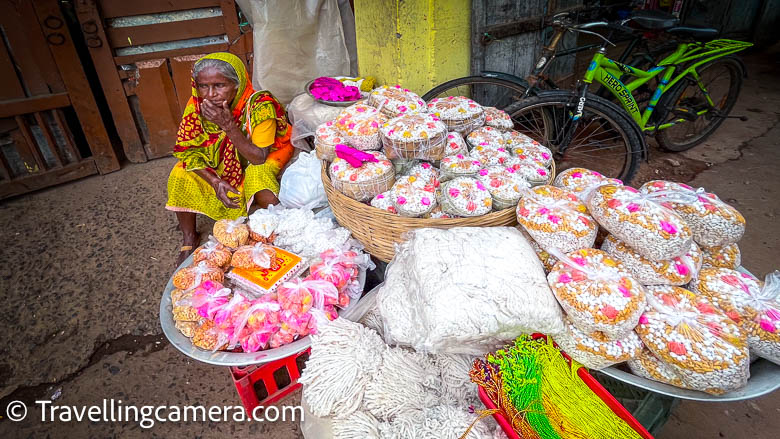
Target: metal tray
[764, 378]
[219, 358]
[333, 103]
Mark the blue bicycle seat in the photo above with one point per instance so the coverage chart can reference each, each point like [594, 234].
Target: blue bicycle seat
[653, 20]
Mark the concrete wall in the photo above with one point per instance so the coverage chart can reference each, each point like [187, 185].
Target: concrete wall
[416, 43]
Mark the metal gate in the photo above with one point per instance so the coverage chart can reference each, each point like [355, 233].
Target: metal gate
[50, 127]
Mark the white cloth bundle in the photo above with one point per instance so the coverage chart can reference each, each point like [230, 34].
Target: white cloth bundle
[345, 356]
[469, 291]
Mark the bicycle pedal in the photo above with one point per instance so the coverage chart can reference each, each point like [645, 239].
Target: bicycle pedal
[686, 113]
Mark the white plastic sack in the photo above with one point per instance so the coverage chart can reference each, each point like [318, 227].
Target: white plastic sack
[301, 184]
[295, 42]
[306, 115]
[466, 290]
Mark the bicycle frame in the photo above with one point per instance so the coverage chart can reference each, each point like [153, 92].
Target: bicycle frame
[608, 72]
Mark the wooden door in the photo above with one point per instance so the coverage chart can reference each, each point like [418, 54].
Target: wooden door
[507, 36]
[50, 128]
[143, 52]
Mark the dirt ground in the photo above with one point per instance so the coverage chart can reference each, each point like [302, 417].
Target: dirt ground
[85, 264]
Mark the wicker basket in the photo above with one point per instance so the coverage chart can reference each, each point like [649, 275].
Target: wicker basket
[380, 230]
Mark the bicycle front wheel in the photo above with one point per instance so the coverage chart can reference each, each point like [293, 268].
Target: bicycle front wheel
[602, 140]
[488, 92]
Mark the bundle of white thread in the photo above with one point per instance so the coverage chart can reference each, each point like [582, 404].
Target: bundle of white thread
[345, 356]
[356, 425]
[456, 386]
[406, 380]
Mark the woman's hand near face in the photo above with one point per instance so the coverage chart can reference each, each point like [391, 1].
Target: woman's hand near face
[219, 114]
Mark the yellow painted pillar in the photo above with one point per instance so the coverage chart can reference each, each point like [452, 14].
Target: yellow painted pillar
[415, 43]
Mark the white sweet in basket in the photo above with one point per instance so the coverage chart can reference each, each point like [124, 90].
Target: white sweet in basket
[498, 119]
[487, 137]
[458, 165]
[522, 146]
[359, 124]
[504, 186]
[459, 113]
[465, 196]
[326, 137]
[455, 144]
[414, 136]
[468, 290]
[395, 100]
[365, 182]
[413, 197]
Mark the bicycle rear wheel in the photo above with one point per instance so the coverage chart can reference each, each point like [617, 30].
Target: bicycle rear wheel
[722, 78]
[604, 139]
[488, 92]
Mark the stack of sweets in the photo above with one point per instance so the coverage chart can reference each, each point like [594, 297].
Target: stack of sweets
[254, 257]
[487, 137]
[458, 166]
[459, 113]
[464, 196]
[365, 182]
[394, 101]
[524, 147]
[490, 156]
[498, 119]
[359, 124]
[192, 276]
[213, 252]
[413, 197]
[504, 186]
[532, 171]
[415, 136]
[326, 137]
[383, 201]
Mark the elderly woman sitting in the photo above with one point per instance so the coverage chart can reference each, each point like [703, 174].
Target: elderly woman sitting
[231, 145]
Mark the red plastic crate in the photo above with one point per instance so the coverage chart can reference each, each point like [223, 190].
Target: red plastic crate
[265, 384]
[589, 381]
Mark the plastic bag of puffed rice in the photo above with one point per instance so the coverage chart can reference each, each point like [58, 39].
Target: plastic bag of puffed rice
[599, 296]
[677, 271]
[711, 221]
[555, 218]
[753, 305]
[654, 231]
[647, 365]
[727, 256]
[596, 352]
[701, 344]
[582, 181]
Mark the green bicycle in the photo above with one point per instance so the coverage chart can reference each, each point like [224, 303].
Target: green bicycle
[699, 84]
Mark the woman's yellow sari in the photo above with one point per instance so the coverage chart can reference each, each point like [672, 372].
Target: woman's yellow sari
[201, 144]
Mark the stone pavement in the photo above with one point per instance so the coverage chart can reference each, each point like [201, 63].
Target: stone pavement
[85, 263]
